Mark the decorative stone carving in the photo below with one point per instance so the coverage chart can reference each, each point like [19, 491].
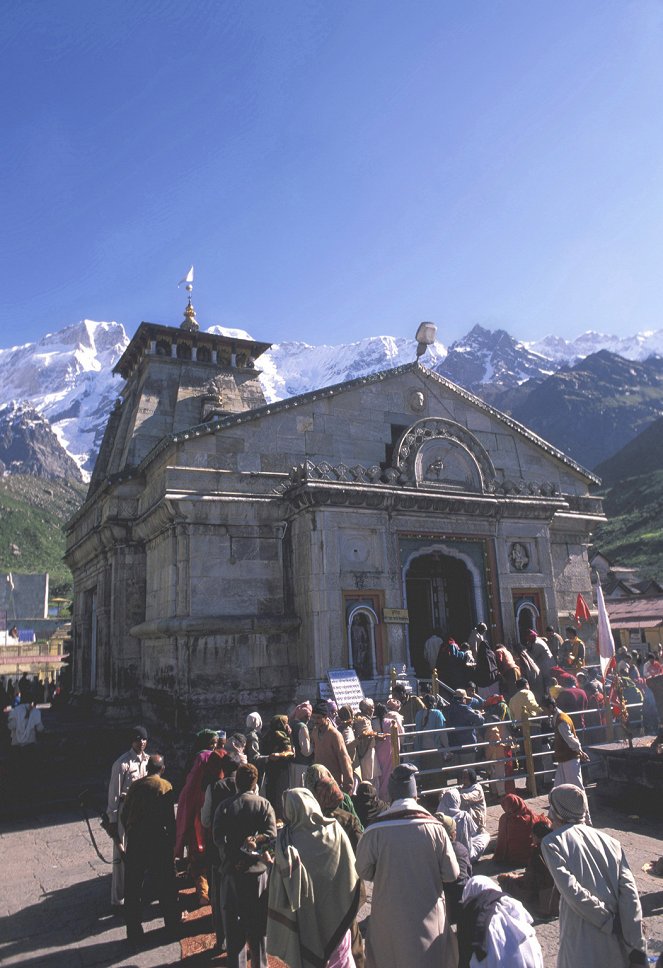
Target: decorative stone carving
[519, 556]
[416, 400]
[535, 488]
[436, 452]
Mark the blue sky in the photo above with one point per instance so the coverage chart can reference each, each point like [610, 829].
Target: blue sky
[333, 169]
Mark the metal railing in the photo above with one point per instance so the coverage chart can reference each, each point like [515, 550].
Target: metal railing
[525, 747]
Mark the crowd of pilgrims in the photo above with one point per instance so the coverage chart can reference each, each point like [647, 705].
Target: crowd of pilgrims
[281, 826]
[37, 690]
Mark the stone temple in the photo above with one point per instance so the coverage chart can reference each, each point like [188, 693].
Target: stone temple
[232, 551]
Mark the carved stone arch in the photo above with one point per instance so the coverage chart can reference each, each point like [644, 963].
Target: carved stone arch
[433, 442]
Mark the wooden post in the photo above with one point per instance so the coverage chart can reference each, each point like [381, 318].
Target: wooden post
[434, 686]
[395, 746]
[529, 759]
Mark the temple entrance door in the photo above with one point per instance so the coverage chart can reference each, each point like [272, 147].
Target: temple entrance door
[440, 595]
[527, 609]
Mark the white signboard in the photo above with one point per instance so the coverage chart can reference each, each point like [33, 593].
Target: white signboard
[346, 688]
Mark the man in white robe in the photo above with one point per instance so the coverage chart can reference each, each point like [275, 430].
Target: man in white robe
[431, 649]
[126, 769]
[406, 845]
[600, 918]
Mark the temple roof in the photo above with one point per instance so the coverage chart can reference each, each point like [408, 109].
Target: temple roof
[414, 367]
[148, 332]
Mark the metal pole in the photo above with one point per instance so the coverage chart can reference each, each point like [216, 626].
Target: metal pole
[393, 679]
[434, 686]
[529, 759]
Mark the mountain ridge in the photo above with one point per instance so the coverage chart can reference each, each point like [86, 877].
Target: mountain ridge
[66, 376]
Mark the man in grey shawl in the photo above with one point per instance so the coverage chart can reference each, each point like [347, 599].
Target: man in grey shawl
[600, 918]
[406, 845]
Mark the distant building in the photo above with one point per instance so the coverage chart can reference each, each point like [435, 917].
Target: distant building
[618, 581]
[24, 609]
[231, 551]
[637, 621]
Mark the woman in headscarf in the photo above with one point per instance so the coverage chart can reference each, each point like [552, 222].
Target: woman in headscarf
[367, 804]
[333, 802]
[495, 930]
[205, 739]
[252, 748]
[301, 743]
[345, 721]
[235, 746]
[453, 891]
[313, 889]
[189, 831]
[277, 748]
[514, 832]
[367, 766]
[508, 670]
[467, 831]
[388, 717]
[534, 888]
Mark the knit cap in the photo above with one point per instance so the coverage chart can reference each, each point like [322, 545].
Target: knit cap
[402, 782]
[569, 802]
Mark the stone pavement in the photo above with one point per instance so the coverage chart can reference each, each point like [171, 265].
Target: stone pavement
[54, 897]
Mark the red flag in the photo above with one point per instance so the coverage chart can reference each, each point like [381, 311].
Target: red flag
[582, 612]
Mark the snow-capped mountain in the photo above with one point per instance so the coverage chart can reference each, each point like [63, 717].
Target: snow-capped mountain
[494, 358]
[292, 368]
[647, 343]
[67, 376]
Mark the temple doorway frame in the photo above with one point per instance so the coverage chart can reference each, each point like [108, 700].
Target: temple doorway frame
[441, 548]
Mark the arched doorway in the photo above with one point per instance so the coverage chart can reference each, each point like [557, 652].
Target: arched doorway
[440, 590]
[528, 616]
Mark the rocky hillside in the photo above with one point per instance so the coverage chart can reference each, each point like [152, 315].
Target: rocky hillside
[592, 409]
[641, 456]
[29, 446]
[32, 512]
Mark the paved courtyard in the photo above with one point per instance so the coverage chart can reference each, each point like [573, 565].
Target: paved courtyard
[54, 898]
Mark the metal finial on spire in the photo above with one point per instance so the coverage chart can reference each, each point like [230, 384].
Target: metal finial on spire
[190, 321]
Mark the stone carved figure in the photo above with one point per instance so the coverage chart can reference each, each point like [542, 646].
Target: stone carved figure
[360, 638]
[519, 556]
[435, 469]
